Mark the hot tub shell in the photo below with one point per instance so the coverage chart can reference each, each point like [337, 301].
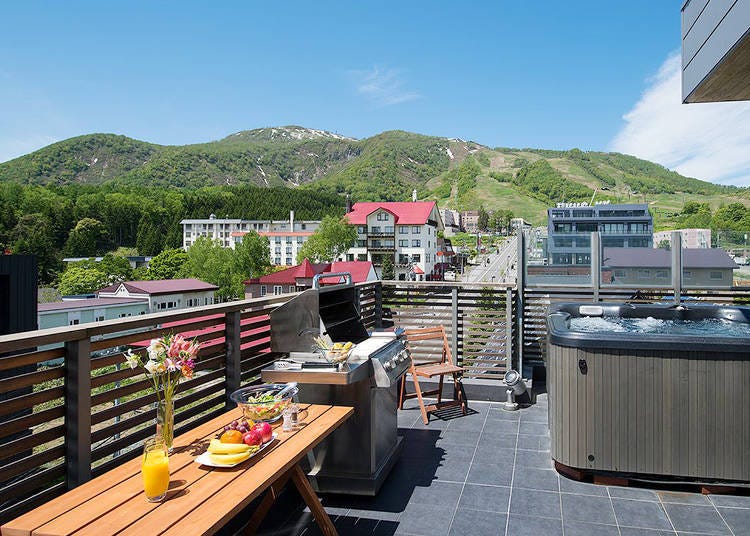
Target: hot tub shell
[646, 404]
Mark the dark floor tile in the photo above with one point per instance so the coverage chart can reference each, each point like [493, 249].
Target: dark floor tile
[534, 428]
[683, 498]
[633, 493]
[691, 518]
[490, 453]
[533, 458]
[738, 519]
[453, 471]
[640, 514]
[634, 531]
[534, 416]
[734, 501]
[438, 494]
[498, 439]
[477, 523]
[469, 422]
[485, 498]
[535, 503]
[544, 443]
[579, 528]
[581, 488]
[461, 438]
[385, 528]
[587, 508]
[529, 442]
[374, 514]
[425, 519]
[496, 414]
[533, 526]
[532, 478]
[494, 474]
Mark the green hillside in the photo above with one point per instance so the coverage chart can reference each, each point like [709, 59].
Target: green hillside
[389, 166]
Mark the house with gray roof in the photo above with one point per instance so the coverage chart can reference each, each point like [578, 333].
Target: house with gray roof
[164, 294]
[643, 267]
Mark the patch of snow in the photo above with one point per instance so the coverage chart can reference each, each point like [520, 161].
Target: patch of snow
[299, 133]
[450, 153]
[457, 140]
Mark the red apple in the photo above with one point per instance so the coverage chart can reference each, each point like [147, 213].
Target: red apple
[265, 431]
[253, 437]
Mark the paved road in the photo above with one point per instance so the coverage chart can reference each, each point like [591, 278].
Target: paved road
[499, 266]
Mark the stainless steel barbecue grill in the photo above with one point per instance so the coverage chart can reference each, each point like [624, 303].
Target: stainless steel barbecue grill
[358, 456]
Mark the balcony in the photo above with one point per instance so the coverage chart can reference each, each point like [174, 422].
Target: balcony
[489, 472]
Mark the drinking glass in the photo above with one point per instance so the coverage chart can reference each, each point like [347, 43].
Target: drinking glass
[155, 469]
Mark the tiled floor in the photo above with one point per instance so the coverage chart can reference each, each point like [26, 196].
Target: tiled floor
[490, 473]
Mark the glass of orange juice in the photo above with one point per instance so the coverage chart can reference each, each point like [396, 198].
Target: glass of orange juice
[155, 469]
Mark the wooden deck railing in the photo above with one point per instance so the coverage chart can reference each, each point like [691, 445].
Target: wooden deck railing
[74, 411]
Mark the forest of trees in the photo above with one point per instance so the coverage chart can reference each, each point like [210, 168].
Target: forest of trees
[53, 222]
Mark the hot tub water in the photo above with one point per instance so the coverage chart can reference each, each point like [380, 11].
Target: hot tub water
[707, 327]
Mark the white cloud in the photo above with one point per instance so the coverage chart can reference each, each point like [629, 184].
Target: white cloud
[382, 86]
[706, 141]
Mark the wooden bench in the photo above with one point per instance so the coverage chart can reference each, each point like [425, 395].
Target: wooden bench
[200, 499]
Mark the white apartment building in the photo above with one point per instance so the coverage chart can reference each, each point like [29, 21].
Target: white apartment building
[285, 236]
[691, 238]
[407, 231]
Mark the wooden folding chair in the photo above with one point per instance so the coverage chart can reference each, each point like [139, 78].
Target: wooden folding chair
[430, 369]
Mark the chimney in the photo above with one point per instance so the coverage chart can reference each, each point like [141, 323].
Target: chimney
[414, 195]
[291, 220]
[348, 203]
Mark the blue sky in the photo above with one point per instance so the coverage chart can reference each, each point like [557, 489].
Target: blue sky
[505, 73]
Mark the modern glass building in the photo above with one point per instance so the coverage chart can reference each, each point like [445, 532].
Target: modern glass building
[569, 226]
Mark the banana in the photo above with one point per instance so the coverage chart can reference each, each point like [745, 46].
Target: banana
[217, 447]
[337, 346]
[348, 345]
[228, 459]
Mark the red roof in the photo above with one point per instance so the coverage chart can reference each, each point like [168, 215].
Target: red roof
[406, 213]
[161, 286]
[418, 270]
[307, 270]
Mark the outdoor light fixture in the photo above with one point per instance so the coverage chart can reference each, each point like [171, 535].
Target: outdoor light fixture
[516, 387]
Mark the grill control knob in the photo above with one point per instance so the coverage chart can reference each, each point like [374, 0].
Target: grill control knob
[393, 363]
[387, 365]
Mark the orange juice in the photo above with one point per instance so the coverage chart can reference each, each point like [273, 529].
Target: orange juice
[155, 469]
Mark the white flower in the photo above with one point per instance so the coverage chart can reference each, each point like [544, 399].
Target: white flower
[132, 359]
[151, 366]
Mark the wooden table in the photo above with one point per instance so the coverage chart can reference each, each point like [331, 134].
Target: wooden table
[200, 499]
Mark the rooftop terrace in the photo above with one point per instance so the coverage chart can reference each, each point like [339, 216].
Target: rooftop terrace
[490, 473]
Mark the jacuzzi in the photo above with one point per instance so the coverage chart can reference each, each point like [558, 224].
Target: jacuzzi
[671, 400]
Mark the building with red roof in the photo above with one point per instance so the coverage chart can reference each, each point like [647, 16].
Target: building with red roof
[407, 232]
[300, 277]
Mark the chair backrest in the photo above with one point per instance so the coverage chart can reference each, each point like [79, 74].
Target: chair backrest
[429, 345]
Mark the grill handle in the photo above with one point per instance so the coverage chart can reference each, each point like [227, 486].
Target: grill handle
[318, 277]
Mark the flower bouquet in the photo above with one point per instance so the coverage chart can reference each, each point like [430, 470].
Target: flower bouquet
[170, 358]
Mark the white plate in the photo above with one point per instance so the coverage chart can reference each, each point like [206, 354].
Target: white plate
[205, 459]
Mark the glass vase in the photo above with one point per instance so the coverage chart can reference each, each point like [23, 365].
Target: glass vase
[165, 422]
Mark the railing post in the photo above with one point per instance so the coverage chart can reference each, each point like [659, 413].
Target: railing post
[520, 286]
[676, 248]
[233, 364]
[596, 264]
[379, 305]
[508, 328]
[454, 324]
[77, 412]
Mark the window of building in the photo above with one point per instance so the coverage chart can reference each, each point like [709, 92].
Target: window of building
[638, 242]
[304, 226]
[361, 243]
[416, 243]
[403, 229]
[361, 229]
[382, 216]
[609, 242]
[583, 258]
[644, 274]
[561, 258]
[639, 227]
[687, 274]
[388, 243]
[288, 261]
[277, 250]
[427, 257]
[277, 240]
[300, 240]
[292, 288]
[563, 242]
[563, 228]
[375, 229]
[262, 290]
[583, 213]
[403, 243]
[560, 213]
[716, 275]
[662, 274]
[583, 242]
[277, 289]
[74, 321]
[289, 250]
[362, 257]
[389, 229]
[416, 258]
[277, 260]
[586, 227]
[619, 273]
[415, 229]
[403, 259]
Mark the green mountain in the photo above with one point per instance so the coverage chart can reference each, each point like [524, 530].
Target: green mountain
[458, 174]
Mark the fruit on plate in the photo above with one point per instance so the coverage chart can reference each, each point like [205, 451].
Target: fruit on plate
[217, 447]
[229, 459]
[231, 436]
[253, 438]
[265, 430]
